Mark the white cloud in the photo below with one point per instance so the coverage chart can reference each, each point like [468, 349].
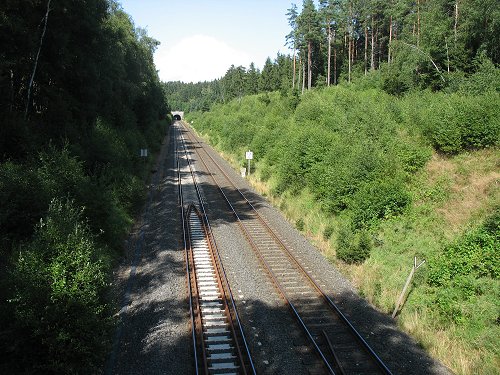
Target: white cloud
[197, 58]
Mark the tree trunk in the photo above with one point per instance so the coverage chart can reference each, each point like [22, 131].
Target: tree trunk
[349, 58]
[366, 50]
[300, 71]
[294, 67]
[309, 65]
[418, 23]
[334, 66]
[36, 60]
[390, 40]
[334, 60]
[456, 20]
[329, 55]
[372, 56]
[303, 77]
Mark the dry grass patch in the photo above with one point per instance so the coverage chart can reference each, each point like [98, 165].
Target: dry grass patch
[473, 178]
[467, 199]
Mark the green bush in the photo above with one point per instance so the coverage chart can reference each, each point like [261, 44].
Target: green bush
[59, 283]
[379, 199]
[465, 270]
[299, 224]
[454, 123]
[353, 247]
[475, 254]
[328, 231]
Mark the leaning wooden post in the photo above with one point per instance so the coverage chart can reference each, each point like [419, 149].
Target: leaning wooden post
[399, 303]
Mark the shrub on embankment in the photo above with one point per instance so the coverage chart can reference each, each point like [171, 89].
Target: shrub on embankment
[376, 180]
[345, 147]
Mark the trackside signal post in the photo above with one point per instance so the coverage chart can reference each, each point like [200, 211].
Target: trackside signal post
[144, 154]
[249, 156]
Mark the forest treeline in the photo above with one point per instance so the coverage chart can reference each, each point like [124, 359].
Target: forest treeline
[80, 96]
[412, 45]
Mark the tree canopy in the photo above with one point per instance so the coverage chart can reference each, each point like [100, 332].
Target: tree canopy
[80, 96]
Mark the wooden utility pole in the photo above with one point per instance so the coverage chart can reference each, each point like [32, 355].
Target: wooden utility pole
[400, 301]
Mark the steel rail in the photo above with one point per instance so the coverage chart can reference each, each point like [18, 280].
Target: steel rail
[229, 295]
[186, 256]
[330, 303]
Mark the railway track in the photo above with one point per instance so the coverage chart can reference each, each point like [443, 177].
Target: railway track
[339, 346]
[219, 343]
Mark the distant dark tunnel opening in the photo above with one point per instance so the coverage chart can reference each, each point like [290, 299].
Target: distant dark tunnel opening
[177, 117]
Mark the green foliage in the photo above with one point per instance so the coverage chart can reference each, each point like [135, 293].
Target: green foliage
[328, 231]
[453, 123]
[475, 254]
[96, 101]
[465, 270]
[59, 284]
[299, 224]
[485, 79]
[379, 199]
[353, 247]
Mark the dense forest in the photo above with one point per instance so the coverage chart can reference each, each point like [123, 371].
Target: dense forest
[80, 96]
[378, 138]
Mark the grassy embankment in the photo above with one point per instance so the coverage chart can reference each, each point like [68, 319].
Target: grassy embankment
[374, 181]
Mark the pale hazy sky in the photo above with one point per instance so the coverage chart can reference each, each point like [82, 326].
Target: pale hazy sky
[200, 39]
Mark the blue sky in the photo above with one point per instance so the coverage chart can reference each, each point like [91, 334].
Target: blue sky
[200, 39]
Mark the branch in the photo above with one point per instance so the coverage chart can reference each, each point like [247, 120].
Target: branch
[427, 55]
[36, 60]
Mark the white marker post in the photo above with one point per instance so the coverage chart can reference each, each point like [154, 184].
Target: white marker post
[249, 156]
[144, 154]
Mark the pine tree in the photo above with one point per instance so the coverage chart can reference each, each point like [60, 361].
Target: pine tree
[309, 28]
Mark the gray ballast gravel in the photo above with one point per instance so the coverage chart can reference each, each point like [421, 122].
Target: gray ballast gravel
[154, 336]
